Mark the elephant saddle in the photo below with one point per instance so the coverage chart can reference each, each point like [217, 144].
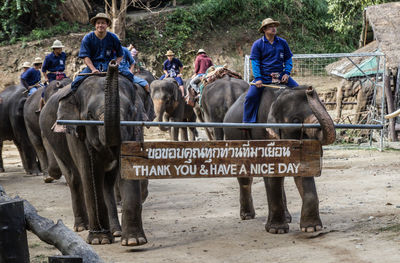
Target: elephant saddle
[218, 72]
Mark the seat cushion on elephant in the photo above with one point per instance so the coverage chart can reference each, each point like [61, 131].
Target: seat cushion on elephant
[218, 72]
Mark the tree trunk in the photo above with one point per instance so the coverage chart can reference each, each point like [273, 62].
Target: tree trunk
[58, 235]
[118, 16]
[390, 106]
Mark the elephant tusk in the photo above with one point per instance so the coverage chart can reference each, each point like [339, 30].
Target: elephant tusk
[393, 114]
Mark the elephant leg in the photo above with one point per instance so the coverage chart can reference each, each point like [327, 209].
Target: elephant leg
[276, 223]
[310, 220]
[40, 151]
[132, 228]
[28, 158]
[109, 196]
[288, 217]
[246, 200]
[184, 134]
[91, 169]
[53, 170]
[174, 133]
[1, 157]
[74, 182]
[192, 133]
[219, 133]
[144, 189]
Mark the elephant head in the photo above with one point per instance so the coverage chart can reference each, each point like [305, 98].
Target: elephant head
[165, 97]
[301, 105]
[101, 99]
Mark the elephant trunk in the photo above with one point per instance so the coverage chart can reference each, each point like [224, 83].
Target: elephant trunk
[327, 125]
[112, 131]
[159, 108]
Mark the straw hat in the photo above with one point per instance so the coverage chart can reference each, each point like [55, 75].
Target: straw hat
[170, 53]
[201, 51]
[100, 15]
[37, 61]
[26, 64]
[57, 44]
[266, 22]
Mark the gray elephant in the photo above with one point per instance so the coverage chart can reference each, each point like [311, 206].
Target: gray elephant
[297, 105]
[169, 105]
[216, 99]
[46, 158]
[12, 126]
[146, 75]
[93, 152]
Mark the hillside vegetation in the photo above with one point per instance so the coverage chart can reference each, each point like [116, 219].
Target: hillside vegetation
[225, 28]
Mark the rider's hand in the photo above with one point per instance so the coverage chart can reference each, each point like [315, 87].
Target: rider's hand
[179, 75]
[95, 70]
[285, 78]
[258, 83]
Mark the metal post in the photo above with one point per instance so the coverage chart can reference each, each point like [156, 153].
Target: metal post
[65, 259]
[13, 240]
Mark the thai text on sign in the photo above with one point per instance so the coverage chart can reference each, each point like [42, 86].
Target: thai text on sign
[220, 159]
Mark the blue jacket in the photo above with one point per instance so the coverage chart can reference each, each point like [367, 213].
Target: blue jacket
[269, 58]
[100, 51]
[54, 63]
[31, 76]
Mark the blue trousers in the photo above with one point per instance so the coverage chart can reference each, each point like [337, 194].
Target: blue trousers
[253, 98]
[178, 79]
[101, 66]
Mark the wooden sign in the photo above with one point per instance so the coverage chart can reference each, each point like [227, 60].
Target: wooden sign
[273, 158]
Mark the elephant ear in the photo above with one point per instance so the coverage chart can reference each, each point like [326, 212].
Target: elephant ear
[20, 107]
[68, 109]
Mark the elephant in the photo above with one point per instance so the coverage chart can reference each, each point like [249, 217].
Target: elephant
[46, 158]
[171, 106]
[12, 126]
[296, 105]
[146, 75]
[216, 99]
[92, 153]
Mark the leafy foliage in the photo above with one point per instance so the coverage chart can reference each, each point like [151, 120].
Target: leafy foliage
[17, 17]
[347, 13]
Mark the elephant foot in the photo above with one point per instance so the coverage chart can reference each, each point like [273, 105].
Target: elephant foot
[48, 179]
[247, 214]
[134, 241]
[80, 225]
[116, 231]
[134, 237]
[99, 238]
[310, 226]
[277, 228]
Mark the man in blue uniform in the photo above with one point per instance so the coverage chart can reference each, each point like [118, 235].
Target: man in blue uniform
[55, 63]
[30, 79]
[98, 48]
[172, 68]
[127, 67]
[271, 61]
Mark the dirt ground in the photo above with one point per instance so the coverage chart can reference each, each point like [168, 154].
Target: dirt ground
[197, 220]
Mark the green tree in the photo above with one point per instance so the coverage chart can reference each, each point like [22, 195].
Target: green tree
[347, 14]
[19, 17]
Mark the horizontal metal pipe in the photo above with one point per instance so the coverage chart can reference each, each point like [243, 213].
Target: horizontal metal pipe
[221, 125]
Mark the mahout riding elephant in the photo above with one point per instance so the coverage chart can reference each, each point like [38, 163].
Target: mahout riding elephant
[12, 126]
[93, 152]
[297, 105]
[169, 105]
[46, 158]
[216, 99]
